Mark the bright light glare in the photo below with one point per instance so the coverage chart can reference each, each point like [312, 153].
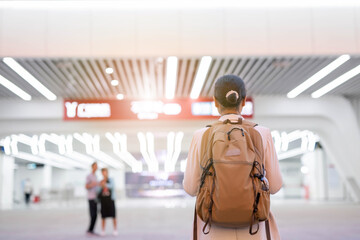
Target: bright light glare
[284, 142]
[109, 70]
[119, 142]
[170, 151]
[108, 160]
[172, 109]
[152, 166]
[337, 82]
[183, 165]
[15, 89]
[304, 170]
[318, 76]
[200, 77]
[151, 150]
[120, 96]
[178, 141]
[114, 82]
[171, 77]
[29, 78]
[277, 140]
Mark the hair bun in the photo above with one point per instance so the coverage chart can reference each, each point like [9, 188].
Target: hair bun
[232, 97]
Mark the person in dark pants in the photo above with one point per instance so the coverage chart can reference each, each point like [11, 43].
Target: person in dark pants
[92, 186]
[107, 201]
[27, 191]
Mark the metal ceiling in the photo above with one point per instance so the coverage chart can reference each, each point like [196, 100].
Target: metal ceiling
[85, 78]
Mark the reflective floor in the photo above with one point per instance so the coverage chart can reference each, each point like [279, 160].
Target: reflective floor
[172, 219]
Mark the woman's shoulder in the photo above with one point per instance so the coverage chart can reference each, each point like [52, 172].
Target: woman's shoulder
[264, 131]
[200, 132]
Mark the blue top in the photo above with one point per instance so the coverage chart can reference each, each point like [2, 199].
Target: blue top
[111, 186]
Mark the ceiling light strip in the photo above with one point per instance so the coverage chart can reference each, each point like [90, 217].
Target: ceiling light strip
[171, 77]
[337, 82]
[152, 167]
[108, 160]
[29, 78]
[31, 158]
[318, 76]
[122, 139]
[200, 76]
[170, 151]
[15, 89]
[117, 140]
[175, 157]
[151, 150]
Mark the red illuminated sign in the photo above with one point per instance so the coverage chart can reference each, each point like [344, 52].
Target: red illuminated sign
[146, 109]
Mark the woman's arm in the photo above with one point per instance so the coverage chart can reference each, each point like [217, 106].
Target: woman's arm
[192, 173]
[273, 173]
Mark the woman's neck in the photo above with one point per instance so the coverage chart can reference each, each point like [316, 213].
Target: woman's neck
[227, 112]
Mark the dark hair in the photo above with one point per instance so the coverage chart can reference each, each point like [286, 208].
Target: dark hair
[93, 164]
[230, 91]
[104, 169]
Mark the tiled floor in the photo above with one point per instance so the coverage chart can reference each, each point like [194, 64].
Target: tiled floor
[172, 220]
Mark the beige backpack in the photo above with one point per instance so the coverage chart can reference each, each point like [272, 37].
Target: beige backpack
[234, 191]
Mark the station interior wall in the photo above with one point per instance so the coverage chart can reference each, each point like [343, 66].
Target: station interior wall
[339, 133]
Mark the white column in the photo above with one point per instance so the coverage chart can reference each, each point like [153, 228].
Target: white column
[6, 181]
[315, 174]
[47, 177]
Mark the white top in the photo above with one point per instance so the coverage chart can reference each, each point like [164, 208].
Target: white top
[192, 182]
[28, 187]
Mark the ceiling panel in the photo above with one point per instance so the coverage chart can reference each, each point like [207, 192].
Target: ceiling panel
[85, 78]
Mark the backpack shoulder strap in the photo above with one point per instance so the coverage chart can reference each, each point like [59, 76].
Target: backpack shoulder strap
[205, 148]
[249, 123]
[256, 138]
[214, 124]
[206, 142]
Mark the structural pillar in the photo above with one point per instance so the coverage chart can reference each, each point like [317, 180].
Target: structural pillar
[315, 174]
[47, 177]
[7, 164]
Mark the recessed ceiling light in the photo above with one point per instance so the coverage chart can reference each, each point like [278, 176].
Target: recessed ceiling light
[159, 59]
[15, 89]
[29, 78]
[109, 70]
[120, 96]
[318, 76]
[114, 82]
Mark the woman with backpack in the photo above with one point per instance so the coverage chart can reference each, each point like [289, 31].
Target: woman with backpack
[232, 168]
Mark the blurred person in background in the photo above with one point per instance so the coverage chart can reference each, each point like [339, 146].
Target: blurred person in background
[28, 189]
[92, 189]
[107, 201]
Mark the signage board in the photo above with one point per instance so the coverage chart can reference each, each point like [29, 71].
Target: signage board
[177, 109]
